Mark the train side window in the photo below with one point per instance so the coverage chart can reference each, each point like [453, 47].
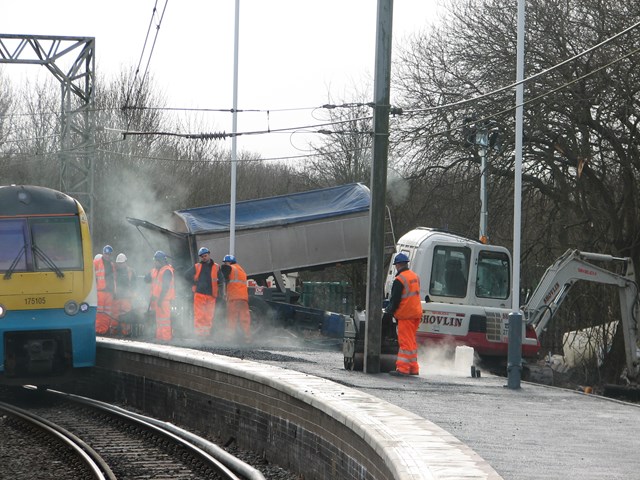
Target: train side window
[59, 240]
[12, 245]
[450, 271]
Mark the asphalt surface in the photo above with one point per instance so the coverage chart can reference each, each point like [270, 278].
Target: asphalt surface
[535, 432]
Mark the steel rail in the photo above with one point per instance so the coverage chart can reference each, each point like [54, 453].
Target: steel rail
[93, 461]
[225, 464]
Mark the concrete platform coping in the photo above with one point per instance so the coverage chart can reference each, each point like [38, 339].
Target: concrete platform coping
[412, 447]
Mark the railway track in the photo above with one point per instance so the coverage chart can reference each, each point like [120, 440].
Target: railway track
[65, 436]
[30, 435]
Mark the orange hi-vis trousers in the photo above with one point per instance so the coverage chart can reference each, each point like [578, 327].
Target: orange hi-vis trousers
[407, 360]
[163, 320]
[104, 313]
[204, 308]
[238, 313]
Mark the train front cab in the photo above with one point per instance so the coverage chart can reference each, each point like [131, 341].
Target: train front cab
[47, 291]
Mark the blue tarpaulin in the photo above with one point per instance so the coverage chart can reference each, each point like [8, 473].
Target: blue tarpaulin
[279, 211]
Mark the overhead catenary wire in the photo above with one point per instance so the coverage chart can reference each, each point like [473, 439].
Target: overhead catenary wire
[211, 161]
[23, 159]
[144, 47]
[403, 111]
[544, 94]
[398, 111]
[527, 79]
[190, 109]
[31, 158]
[225, 110]
[224, 135]
[155, 39]
[221, 135]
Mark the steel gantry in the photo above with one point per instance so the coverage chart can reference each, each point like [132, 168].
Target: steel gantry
[71, 60]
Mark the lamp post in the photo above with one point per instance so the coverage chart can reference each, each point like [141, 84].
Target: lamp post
[514, 355]
[234, 139]
[482, 141]
[484, 135]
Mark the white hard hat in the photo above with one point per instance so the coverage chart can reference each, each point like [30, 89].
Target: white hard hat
[99, 255]
[121, 258]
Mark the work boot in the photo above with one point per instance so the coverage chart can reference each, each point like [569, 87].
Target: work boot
[398, 373]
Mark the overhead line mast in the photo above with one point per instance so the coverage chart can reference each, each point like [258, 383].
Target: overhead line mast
[71, 60]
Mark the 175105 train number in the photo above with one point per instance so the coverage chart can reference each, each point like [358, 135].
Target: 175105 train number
[35, 300]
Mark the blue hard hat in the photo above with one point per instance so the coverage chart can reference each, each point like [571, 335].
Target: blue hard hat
[107, 250]
[229, 259]
[160, 255]
[203, 250]
[401, 258]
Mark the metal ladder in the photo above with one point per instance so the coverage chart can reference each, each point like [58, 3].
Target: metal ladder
[389, 234]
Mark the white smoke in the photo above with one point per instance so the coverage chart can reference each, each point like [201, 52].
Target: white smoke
[397, 188]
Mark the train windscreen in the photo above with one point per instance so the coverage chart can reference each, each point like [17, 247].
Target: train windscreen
[57, 240]
[12, 245]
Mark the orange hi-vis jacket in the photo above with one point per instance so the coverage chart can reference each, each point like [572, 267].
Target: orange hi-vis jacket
[154, 274]
[101, 279]
[156, 284]
[214, 278]
[237, 285]
[410, 305]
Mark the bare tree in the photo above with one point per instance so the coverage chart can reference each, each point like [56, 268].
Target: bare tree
[6, 109]
[344, 155]
[31, 133]
[581, 160]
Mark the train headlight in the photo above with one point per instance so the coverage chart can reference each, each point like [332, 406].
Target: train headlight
[2, 311]
[84, 307]
[71, 307]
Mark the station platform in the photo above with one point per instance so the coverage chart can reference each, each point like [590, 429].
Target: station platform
[442, 424]
[532, 433]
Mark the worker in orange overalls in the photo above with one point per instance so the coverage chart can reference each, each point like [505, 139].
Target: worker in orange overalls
[122, 304]
[105, 272]
[405, 306]
[207, 284]
[237, 298]
[162, 293]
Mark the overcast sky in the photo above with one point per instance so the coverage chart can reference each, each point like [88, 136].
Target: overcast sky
[292, 53]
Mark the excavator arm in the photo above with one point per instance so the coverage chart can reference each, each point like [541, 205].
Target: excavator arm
[574, 266]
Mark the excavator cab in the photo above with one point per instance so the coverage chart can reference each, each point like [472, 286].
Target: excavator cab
[456, 270]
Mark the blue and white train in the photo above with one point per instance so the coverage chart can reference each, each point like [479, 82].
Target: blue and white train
[47, 287]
